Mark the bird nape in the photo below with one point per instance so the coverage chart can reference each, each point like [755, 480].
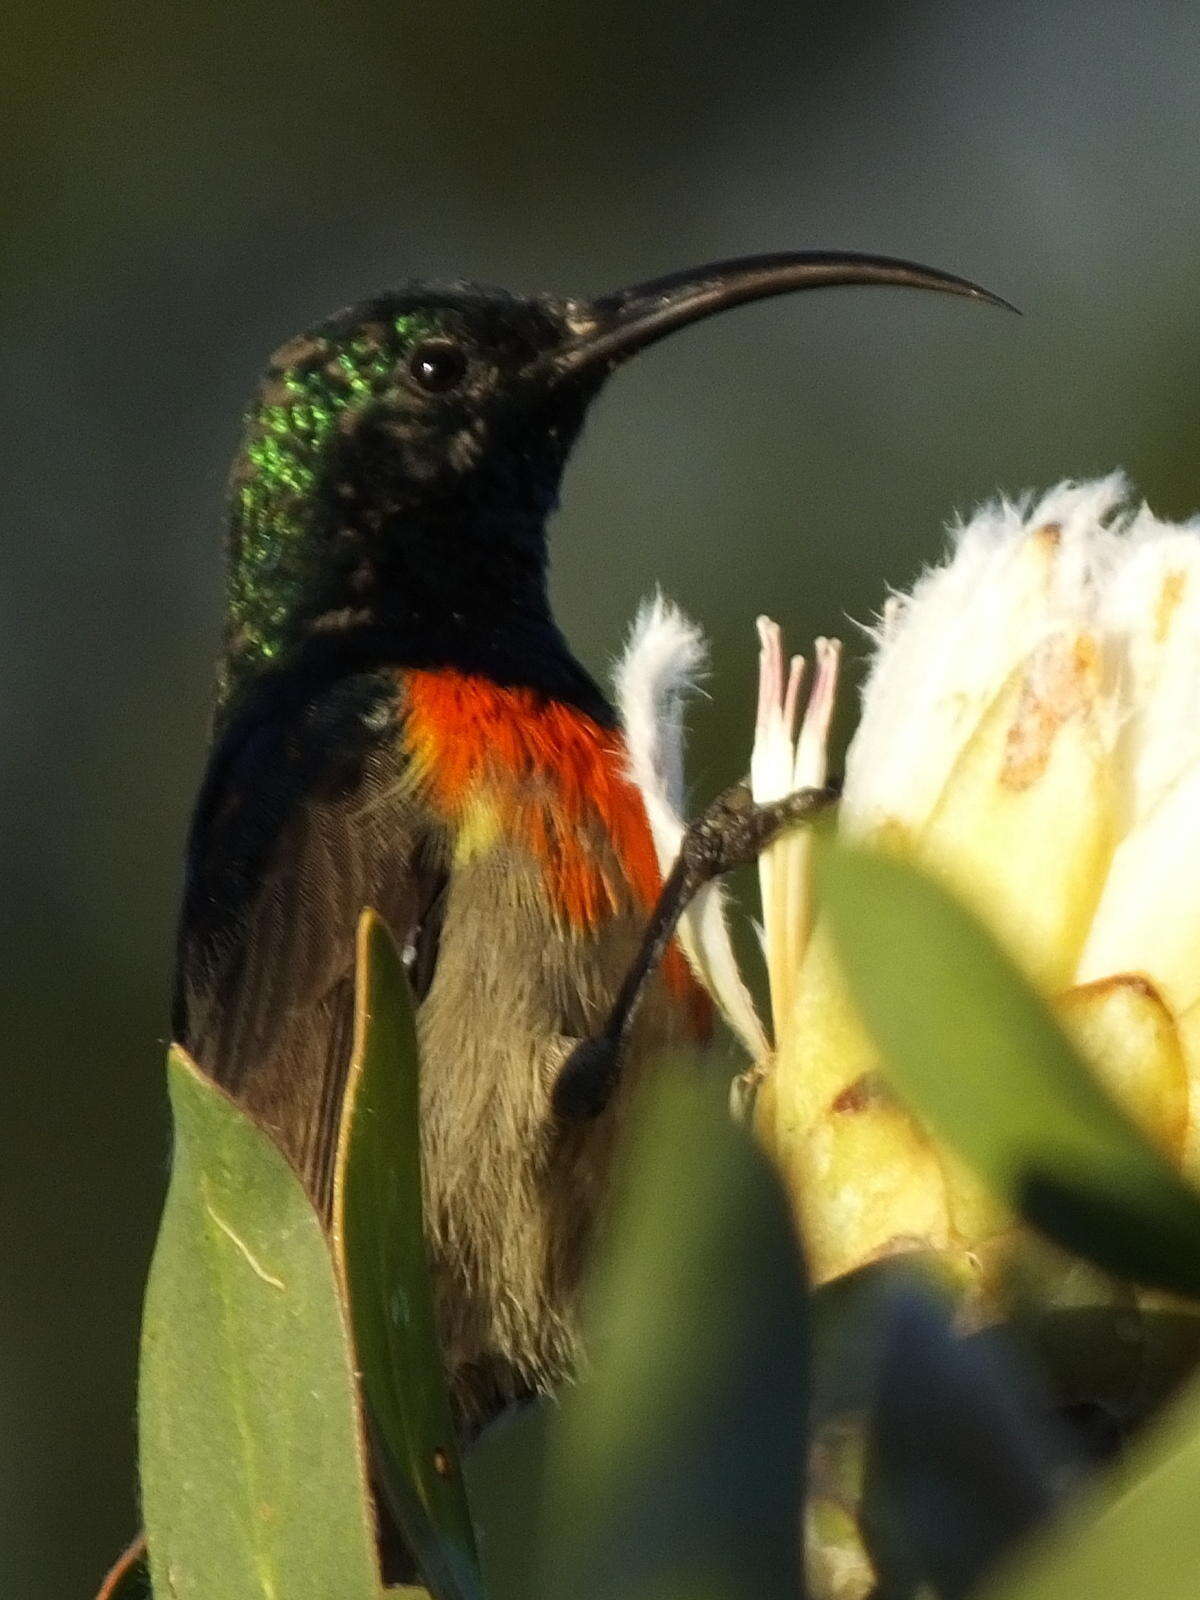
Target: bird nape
[401, 724]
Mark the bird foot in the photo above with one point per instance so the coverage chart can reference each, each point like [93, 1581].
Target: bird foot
[731, 832]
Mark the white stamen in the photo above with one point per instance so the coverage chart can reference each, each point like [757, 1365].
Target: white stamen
[784, 760]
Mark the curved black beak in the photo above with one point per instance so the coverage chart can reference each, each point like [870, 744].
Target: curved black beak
[611, 329]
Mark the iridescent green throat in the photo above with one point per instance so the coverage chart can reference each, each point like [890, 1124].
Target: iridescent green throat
[281, 482]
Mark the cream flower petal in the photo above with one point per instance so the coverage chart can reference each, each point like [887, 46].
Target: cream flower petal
[1023, 826]
[1123, 1025]
[1148, 916]
[1150, 613]
[1013, 579]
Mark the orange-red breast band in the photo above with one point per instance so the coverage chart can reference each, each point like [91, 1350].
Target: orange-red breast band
[550, 774]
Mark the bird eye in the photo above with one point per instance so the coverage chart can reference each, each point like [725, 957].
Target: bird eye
[437, 364]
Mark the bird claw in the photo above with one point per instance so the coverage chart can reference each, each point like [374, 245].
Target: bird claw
[735, 829]
[731, 832]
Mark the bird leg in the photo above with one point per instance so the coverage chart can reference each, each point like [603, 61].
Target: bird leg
[732, 832]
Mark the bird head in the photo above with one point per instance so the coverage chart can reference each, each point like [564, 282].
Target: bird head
[400, 459]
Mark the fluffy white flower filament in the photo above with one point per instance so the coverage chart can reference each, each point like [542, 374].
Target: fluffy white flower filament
[783, 759]
[665, 655]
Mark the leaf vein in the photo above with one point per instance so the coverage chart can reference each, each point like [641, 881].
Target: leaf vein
[255, 1265]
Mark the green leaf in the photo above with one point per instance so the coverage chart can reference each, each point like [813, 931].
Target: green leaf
[677, 1468]
[253, 1476]
[850, 1319]
[975, 1050]
[128, 1578]
[965, 1456]
[1136, 1537]
[1115, 1365]
[506, 1470]
[379, 1243]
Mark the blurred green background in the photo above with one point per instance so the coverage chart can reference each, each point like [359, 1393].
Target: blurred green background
[187, 186]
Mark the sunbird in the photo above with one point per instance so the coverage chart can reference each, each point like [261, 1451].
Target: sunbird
[401, 724]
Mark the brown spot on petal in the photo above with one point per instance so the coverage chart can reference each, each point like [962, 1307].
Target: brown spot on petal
[1132, 982]
[1050, 534]
[1059, 685]
[1169, 597]
[866, 1090]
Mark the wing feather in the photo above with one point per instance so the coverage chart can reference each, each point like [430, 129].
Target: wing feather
[304, 818]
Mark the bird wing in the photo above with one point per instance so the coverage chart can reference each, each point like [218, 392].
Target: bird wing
[306, 815]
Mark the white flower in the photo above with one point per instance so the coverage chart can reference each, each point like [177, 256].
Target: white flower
[1030, 732]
